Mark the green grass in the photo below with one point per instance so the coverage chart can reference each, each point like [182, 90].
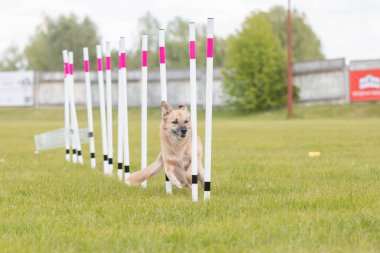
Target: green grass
[268, 195]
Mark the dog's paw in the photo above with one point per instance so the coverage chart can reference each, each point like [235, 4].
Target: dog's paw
[127, 181]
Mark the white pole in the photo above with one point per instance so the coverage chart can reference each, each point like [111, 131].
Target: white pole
[109, 108]
[67, 105]
[193, 102]
[102, 107]
[208, 120]
[71, 112]
[161, 42]
[119, 126]
[73, 109]
[89, 107]
[123, 67]
[144, 88]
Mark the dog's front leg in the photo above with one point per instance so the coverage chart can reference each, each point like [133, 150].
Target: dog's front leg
[200, 173]
[189, 175]
[169, 170]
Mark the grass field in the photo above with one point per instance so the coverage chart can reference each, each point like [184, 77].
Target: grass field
[267, 194]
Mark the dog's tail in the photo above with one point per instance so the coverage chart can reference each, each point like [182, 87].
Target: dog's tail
[138, 177]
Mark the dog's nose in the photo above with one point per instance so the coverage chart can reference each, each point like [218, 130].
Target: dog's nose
[183, 131]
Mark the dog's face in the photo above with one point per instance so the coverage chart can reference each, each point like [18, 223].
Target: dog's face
[175, 122]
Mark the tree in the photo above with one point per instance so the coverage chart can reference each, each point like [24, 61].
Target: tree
[306, 44]
[44, 51]
[149, 25]
[254, 73]
[176, 43]
[12, 59]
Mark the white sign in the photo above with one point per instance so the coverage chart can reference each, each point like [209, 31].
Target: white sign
[16, 88]
[369, 81]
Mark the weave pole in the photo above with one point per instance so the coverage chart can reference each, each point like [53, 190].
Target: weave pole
[119, 125]
[161, 42]
[109, 108]
[193, 104]
[208, 120]
[87, 78]
[123, 69]
[144, 103]
[72, 123]
[74, 120]
[67, 105]
[103, 124]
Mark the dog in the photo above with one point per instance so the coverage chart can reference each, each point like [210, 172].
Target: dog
[175, 155]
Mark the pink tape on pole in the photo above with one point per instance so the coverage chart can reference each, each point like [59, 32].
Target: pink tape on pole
[192, 50]
[144, 59]
[210, 47]
[86, 66]
[71, 69]
[66, 67]
[108, 63]
[162, 55]
[123, 60]
[100, 64]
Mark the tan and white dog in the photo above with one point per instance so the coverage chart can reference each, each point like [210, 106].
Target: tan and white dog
[175, 155]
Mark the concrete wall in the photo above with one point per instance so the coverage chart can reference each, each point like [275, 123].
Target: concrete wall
[318, 81]
[49, 88]
[324, 81]
[321, 81]
[364, 64]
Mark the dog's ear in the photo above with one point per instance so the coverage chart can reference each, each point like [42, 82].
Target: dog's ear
[183, 107]
[166, 108]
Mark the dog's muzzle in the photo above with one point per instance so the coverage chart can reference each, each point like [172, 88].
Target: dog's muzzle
[182, 132]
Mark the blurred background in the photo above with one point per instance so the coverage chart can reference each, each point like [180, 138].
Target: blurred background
[334, 49]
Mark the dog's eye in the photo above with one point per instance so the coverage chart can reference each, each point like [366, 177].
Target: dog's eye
[186, 121]
[175, 122]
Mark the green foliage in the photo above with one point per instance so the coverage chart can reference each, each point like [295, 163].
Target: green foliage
[305, 43]
[12, 59]
[254, 73]
[176, 42]
[44, 51]
[149, 25]
[177, 45]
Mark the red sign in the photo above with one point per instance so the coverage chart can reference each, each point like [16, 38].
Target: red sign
[365, 85]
